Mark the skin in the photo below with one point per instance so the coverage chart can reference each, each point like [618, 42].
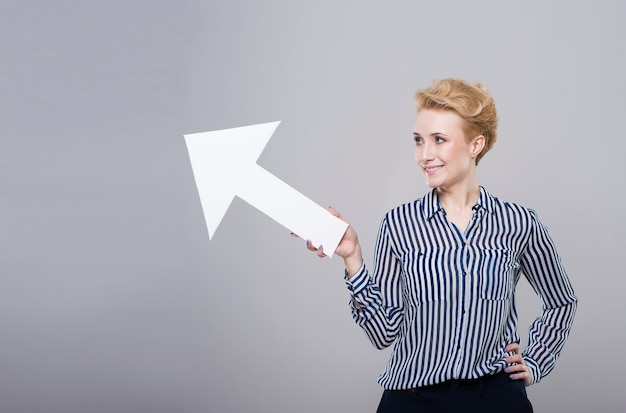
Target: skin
[447, 158]
[448, 161]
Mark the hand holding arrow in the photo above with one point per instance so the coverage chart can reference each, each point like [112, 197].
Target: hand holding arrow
[224, 166]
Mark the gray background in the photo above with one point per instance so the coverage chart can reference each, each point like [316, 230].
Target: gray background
[112, 298]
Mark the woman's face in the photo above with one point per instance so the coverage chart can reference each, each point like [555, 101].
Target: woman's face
[442, 151]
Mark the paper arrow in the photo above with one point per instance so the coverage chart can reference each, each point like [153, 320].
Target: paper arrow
[224, 166]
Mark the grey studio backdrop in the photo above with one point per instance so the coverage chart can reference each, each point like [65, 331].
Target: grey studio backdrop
[112, 297]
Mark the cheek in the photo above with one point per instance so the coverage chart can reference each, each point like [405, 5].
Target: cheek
[459, 155]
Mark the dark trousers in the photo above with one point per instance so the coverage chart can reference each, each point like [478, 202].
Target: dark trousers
[491, 394]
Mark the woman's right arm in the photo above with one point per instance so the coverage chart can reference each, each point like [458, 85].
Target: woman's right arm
[349, 248]
[376, 302]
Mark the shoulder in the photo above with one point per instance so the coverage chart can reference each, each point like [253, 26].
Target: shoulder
[402, 226]
[512, 215]
[408, 211]
[405, 219]
[515, 209]
[406, 208]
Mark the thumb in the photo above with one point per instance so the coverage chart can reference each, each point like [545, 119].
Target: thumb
[335, 213]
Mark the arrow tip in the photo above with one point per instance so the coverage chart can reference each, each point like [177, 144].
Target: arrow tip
[220, 160]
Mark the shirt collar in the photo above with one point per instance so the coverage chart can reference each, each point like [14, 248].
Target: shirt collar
[431, 204]
[485, 200]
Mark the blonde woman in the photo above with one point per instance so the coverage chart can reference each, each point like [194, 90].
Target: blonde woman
[441, 289]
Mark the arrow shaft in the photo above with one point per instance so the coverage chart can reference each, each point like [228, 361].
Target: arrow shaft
[290, 208]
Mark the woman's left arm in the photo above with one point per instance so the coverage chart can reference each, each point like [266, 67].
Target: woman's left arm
[542, 267]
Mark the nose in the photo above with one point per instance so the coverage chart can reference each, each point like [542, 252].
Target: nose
[427, 152]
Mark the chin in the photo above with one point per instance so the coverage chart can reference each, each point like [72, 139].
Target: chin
[433, 183]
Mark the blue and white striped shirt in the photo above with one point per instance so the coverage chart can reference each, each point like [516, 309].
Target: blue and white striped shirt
[447, 298]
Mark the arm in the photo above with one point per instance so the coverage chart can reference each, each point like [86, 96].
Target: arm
[542, 267]
[376, 302]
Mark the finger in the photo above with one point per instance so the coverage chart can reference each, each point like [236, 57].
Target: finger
[336, 213]
[515, 359]
[516, 368]
[320, 252]
[309, 245]
[513, 347]
[525, 376]
[295, 235]
[519, 372]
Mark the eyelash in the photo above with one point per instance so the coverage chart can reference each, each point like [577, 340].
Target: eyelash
[419, 140]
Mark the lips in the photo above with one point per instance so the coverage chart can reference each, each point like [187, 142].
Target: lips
[432, 169]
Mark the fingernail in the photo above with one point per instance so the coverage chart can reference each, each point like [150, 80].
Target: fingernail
[320, 247]
[507, 369]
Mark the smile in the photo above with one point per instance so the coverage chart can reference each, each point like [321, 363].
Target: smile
[431, 169]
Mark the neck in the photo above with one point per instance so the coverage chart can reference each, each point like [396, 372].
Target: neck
[459, 198]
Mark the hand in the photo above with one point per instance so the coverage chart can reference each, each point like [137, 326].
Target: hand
[516, 365]
[349, 248]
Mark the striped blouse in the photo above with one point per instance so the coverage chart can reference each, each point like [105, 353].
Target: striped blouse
[446, 299]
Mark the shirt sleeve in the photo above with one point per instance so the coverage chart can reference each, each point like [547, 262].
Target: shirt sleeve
[542, 267]
[376, 300]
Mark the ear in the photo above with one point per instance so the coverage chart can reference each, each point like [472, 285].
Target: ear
[477, 145]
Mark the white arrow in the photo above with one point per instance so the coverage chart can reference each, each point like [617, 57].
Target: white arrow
[224, 166]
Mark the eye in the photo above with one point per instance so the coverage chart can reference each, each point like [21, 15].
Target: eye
[418, 139]
[439, 139]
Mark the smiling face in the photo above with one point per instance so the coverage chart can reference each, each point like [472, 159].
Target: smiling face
[446, 156]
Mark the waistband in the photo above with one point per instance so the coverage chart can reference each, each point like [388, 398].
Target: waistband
[497, 379]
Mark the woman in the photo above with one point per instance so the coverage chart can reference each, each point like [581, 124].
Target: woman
[445, 270]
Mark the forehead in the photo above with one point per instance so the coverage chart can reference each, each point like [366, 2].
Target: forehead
[431, 121]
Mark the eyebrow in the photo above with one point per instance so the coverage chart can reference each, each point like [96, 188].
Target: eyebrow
[432, 134]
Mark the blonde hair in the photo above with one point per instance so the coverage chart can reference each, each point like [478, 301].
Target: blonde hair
[470, 101]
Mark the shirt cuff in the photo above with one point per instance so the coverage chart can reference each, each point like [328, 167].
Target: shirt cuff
[358, 282]
[533, 370]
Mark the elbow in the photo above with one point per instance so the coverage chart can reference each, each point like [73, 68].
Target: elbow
[382, 342]
[382, 345]
[379, 342]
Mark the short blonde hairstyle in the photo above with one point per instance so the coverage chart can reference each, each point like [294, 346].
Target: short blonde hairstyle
[470, 101]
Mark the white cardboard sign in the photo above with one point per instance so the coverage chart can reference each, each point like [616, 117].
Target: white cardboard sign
[224, 166]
